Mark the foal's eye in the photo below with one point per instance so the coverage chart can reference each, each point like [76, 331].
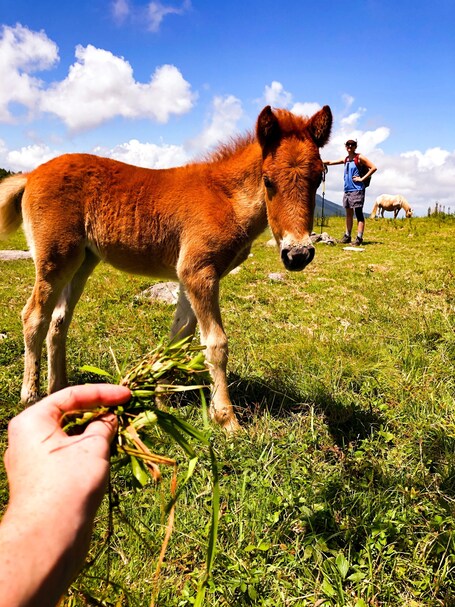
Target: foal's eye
[267, 181]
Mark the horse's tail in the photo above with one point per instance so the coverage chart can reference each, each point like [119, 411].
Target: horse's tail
[374, 211]
[11, 190]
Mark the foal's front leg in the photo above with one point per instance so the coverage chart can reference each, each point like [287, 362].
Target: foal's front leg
[203, 292]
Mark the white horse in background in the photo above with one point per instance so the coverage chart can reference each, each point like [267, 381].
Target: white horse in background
[391, 203]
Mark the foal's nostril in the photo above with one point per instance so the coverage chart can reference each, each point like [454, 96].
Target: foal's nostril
[298, 257]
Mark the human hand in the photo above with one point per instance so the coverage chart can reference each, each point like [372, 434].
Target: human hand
[44, 463]
[56, 484]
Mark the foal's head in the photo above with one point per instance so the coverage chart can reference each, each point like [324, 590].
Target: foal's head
[292, 171]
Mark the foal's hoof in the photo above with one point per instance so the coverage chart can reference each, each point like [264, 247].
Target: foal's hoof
[232, 426]
[225, 419]
[29, 398]
[162, 401]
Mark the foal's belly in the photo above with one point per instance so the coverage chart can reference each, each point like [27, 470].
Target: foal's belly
[145, 261]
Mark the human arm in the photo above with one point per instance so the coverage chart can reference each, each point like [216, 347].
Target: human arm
[332, 162]
[371, 168]
[56, 485]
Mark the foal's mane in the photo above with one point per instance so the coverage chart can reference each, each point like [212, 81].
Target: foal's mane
[290, 124]
[230, 148]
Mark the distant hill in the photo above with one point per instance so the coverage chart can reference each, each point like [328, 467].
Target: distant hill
[331, 209]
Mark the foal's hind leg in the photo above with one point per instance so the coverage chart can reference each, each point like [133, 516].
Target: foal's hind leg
[52, 275]
[184, 324]
[60, 322]
[36, 317]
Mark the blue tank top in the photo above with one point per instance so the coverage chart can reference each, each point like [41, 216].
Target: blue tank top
[350, 171]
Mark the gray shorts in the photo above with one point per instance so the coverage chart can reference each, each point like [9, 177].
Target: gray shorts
[354, 200]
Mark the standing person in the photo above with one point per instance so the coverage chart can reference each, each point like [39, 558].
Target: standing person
[354, 189]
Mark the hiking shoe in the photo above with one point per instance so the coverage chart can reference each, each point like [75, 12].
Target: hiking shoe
[345, 240]
[357, 242]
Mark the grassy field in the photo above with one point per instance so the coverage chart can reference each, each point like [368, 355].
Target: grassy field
[340, 488]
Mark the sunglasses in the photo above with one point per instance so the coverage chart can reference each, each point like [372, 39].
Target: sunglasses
[350, 145]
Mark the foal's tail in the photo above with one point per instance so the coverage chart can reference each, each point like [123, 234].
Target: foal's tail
[374, 211]
[11, 190]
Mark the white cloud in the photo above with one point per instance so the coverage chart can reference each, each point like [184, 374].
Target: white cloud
[393, 177]
[348, 127]
[100, 86]
[22, 52]
[147, 155]
[226, 113]
[305, 109]
[276, 96]
[26, 158]
[3, 151]
[368, 141]
[348, 100]
[156, 12]
[351, 120]
[432, 158]
[120, 10]
[152, 15]
[371, 139]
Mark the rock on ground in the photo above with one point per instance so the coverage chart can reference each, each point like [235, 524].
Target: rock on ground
[13, 255]
[167, 292]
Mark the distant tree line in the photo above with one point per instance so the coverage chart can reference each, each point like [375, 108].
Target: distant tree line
[4, 173]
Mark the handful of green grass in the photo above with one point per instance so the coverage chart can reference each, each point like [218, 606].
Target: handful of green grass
[169, 368]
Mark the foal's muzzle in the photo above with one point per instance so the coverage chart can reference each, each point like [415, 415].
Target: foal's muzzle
[297, 257]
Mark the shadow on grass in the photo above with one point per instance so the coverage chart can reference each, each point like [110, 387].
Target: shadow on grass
[372, 243]
[253, 397]
[346, 422]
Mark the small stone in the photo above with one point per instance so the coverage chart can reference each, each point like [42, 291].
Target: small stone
[167, 292]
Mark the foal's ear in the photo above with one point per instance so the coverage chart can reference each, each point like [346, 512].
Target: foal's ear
[268, 128]
[320, 126]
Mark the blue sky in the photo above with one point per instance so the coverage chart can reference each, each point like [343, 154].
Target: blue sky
[158, 83]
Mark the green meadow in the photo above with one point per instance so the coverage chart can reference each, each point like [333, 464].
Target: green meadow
[340, 488]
